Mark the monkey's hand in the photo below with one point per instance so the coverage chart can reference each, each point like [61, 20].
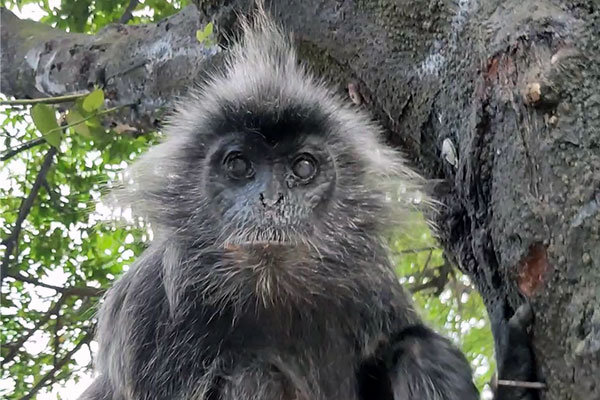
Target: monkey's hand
[516, 368]
[426, 366]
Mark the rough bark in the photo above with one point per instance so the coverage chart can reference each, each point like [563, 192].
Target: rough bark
[143, 66]
[499, 101]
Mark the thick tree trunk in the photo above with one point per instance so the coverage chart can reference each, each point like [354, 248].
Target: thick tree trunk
[142, 66]
[498, 100]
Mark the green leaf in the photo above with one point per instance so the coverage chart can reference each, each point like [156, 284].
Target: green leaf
[101, 138]
[94, 100]
[105, 242]
[204, 35]
[44, 118]
[74, 116]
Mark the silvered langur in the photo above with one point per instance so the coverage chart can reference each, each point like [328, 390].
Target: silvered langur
[268, 277]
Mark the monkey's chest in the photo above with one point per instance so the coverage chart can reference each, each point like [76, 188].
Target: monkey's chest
[313, 352]
[285, 377]
[288, 359]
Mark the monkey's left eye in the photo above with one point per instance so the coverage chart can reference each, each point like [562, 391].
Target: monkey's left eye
[304, 167]
[238, 166]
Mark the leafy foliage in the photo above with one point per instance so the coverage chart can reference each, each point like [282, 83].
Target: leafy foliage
[205, 35]
[44, 118]
[446, 297]
[60, 251]
[64, 258]
[91, 15]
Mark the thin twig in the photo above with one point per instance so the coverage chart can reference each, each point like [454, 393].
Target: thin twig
[43, 100]
[14, 347]
[48, 378]
[35, 142]
[425, 269]
[82, 291]
[128, 13]
[25, 146]
[438, 278]
[522, 384]
[429, 255]
[56, 339]
[24, 210]
[108, 110]
[417, 250]
[52, 195]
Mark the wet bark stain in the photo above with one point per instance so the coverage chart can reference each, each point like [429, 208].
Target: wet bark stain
[532, 270]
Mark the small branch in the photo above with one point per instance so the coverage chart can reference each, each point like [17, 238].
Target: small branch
[56, 340]
[12, 240]
[438, 278]
[425, 269]
[417, 250]
[91, 354]
[432, 284]
[25, 146]
[82, 291]
[14, 347]
[52, 194]
[108, 110]
[24, 210]
[49, 377]
[128, 14]
[44, 100]
[522, 384]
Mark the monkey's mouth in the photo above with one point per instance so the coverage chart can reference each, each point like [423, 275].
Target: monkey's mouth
[262, 239]
[256, 243]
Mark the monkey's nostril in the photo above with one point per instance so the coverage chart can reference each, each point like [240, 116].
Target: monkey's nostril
[271, 202]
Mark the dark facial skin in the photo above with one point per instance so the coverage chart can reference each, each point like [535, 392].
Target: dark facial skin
[269, 191]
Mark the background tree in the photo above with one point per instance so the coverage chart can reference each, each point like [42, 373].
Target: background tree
[496, 101]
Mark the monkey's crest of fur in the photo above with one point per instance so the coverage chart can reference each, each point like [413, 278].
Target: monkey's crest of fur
[263, 75]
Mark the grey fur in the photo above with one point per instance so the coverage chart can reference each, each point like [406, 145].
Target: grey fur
[306, 306]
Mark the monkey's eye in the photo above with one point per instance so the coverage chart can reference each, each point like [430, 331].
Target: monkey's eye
[304, 167]
[238, 166]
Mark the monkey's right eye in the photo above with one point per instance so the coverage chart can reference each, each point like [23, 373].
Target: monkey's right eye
[238, 166]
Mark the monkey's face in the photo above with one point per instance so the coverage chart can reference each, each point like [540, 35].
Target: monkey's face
[268, 190]
[264, 154]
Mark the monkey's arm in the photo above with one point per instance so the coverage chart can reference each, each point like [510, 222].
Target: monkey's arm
[423, 365]
[515, 356]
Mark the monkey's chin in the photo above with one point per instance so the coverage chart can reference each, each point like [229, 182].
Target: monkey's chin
[260, 244]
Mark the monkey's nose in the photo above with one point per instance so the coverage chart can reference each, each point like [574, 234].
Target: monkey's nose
[271, 201]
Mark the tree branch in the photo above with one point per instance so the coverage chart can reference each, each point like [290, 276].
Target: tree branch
[14, 347]
[25, 146]
[31, 53]
[82, 291]
[56, 339]
[522, 384]
[48, 377]
[24, 210]
[128, 13]
[82, 120]
[438, 278]
[417, 250]
[45, 100]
